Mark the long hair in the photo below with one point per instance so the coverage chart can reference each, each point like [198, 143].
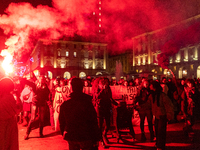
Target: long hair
[158, 89]
[95, 85]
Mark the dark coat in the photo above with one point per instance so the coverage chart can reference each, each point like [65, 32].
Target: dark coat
[42, 95]
[78, 118]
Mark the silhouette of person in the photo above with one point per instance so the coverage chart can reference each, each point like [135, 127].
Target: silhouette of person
[163, 110]
[78, 119]
[9, 108]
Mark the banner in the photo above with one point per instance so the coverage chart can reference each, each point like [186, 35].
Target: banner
[119, 93]
[62, 94]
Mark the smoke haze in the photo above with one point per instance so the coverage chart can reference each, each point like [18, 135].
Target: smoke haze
[121, 20]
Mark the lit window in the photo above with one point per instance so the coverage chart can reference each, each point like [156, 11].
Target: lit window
[74, 54]
[99, 30]
[100, 19]
[58, 53]
[184, 72]
[192, 67]
[67, 53]
[174, 67]
[98, 73]
[62, 64]
[86, 65]
[99, 2]
[99, 25]
[93, 13]
[99, 8]
[99, 14]
[170, 60]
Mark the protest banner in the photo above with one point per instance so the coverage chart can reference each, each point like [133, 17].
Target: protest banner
[61, 95]
[119, 93]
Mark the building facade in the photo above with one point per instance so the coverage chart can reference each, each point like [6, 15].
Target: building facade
[147, 46]
[68, 58]
[126, 63]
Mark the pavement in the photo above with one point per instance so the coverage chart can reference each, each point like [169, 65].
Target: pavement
[53, 140]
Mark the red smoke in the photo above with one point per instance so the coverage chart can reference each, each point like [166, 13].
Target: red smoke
[121, 20]
[26, 24]
[187, 36]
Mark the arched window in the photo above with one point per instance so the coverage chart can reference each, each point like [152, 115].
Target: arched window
[98, 73]
[67, 75]
[166, 72]
[82, 75]
[67, 53]
[182, 72]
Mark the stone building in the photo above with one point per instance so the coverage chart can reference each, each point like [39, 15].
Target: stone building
[147, 46]
[55, 58]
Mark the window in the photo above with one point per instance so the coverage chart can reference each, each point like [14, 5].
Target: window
[74, 54]
[82, 74]
[58, 53]
[184, 72]
[67, 53]
[67, 75]
[50, 74]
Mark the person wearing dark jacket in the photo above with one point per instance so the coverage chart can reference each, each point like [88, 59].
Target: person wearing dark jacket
[163, 110]
[144, 109]
[104, 103]
[39, 103]
[78, 119]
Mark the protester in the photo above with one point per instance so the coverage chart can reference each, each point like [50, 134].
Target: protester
[9, 108]
[191, 106]
[59, 98]
[18, 87]
[78, 119]
[164, 85]
[26, 97]
[40, 104]
[144, 109]
[87, 83]
[52, 86]
[162, 109]
[104, 104]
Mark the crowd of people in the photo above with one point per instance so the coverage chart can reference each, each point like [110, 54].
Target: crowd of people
[81, 117]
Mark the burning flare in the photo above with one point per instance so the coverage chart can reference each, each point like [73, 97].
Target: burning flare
[7, 62]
